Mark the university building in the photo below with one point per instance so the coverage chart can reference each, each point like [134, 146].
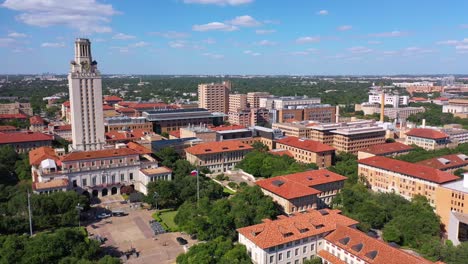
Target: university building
[426, 138]
[302, 191]
[218, 157]
[307, 151]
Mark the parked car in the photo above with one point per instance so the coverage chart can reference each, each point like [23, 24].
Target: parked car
[103, 215]
[181, 241]
[119, 213]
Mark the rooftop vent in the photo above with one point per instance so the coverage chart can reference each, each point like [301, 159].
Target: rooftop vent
[462, 156]
[309, 178]
[327, 175]
[344, 240]
[319, 226]
[224, 148]
[357, 247]
[444, 161]
[303, 230]
[241, 146]
[324, 212]
[277, 183]
[288, 234]
[207, 150]
[255, 233]
[372, 254]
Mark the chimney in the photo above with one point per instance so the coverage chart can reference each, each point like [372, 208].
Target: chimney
[382, 106]
[337, 114]
[465, 180]
[424, 123]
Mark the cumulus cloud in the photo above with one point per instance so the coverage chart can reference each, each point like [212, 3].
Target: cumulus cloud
[53, 45]
[139, 44]
[171, 34]
[374, 42]
[214, 26]
[322, 12]
[452, 42]
[391, 34]
[264, 31]
[345, 28]
[214, 55]
[219, 2]
[17, 35]
[360, 50]
[122, 36]
[209, 41]
[178, 44]
[87, 16]
[299, 53]
[251, 53]
[5, 42]
[307, 39]
[245, 21]
[265, 43]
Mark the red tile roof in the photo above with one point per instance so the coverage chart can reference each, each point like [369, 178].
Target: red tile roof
[66, 104]
[13, 116]
[271, 233]
[63, 128]
[446, 162]
[107, 107]
[300, 184]
[39, 154]
[224, 128]
[329, 257]
[18, 137]
[36, 120]
[175, 133]
[388, 148]
[126, 110]
[7, 128]
[305, 144]
[420, 99]
[426, 133]
[281, 152]
[410, 169]
[127, 135]
[218, 147]
[112, 98]
[99, 154]
[138, 148]
[373, 251]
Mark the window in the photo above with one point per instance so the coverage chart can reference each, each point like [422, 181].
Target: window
[74, 183]
[296, 252]
[122, 177]
[131, 176]
[280, 256]
[304, 249]
[272, 259]
[103, 179]
[94, 180]
[83, 182]
[288, 254]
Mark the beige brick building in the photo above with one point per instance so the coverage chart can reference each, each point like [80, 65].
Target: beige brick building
[214, 96]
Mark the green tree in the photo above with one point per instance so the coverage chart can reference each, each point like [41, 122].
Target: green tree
[168, 156]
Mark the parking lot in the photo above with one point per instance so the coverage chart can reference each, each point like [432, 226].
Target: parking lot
[133, 231]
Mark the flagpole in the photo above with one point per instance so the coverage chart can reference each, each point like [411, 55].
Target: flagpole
[198, 186]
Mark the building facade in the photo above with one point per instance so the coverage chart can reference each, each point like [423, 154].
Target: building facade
[426, 138]
[85, 89]
[214, 96]
[307, 151]
[253, 98]
[302, 191]
[23, 142]
[218, 157]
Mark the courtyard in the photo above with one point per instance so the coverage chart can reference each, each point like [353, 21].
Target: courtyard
[133, 231]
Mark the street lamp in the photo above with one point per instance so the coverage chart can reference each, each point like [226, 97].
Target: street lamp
[79, 208]
[155, 197]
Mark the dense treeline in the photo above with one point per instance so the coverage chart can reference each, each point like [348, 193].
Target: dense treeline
[211, 219]
[435, 117]
[419, 154]
[64, 246]
[264, 164]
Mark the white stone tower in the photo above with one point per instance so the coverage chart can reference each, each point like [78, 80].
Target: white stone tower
[85, 89]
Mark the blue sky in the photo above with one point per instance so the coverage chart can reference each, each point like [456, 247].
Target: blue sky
[238, 36]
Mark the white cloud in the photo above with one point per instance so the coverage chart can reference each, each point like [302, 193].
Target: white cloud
[251, 53]
[214, 26]
[265, 43]
[177, 44]
[452, 42]
[300, 53]
[139, 44]
[5, 42]
[87, 16]
[53, 45]
[462, 47]
[264, 31]
[247, 51]
[17, 35]
[121, 49]
[21, 50]
[374, 42]
[244, 21]
[390, 34]
[219, 2]
[122, 36]
[322, 12]
[390, 52]
[255, 54]
[302, 40]
[345, 28]
[209, 41]
[213, 55]
[360, 50]
[171, 34]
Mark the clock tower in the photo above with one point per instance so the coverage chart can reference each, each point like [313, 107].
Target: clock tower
[85, 90]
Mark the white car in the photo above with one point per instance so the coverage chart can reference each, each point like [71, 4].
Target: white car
[103, 216]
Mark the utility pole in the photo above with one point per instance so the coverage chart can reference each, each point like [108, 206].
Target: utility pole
[155, 197]
[198, 186]
[30, 214]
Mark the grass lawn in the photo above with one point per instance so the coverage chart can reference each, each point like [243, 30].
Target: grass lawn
[168, 219]
[226, 190]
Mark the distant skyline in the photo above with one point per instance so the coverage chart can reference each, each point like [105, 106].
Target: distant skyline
[314, 37]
